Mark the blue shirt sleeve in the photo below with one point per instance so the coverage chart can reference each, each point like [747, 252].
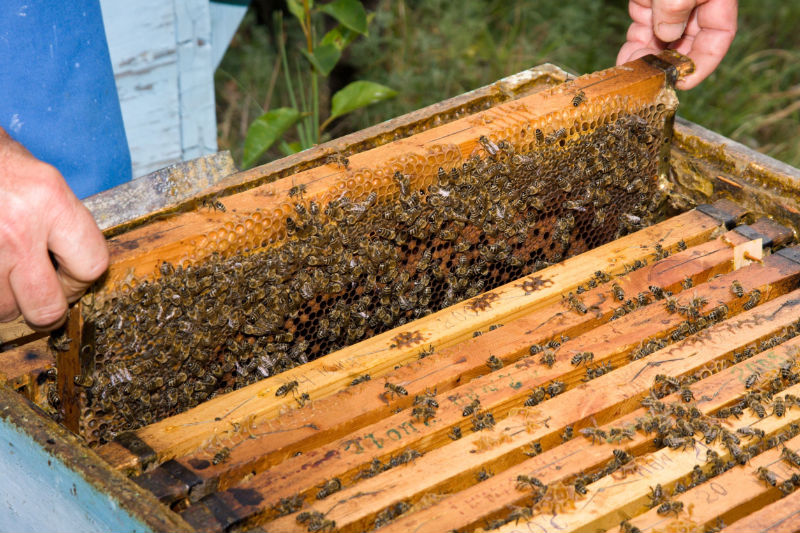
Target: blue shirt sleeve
[57, 91]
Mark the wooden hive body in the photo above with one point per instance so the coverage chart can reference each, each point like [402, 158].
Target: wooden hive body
[428, 423]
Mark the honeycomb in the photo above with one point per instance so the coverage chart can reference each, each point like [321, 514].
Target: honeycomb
[380, 248]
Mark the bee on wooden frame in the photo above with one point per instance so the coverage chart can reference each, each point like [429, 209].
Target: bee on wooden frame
[494, 363]
[338, 159]
[395, 389]
[221, 456]
[329, 487]
[297, 190]
[471, 408]
[286, 388]
[579, 98]
[737, 289]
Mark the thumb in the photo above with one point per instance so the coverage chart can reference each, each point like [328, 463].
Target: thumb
[670, 18]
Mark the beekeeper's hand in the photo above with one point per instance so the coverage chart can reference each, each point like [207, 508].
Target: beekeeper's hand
[700, 29]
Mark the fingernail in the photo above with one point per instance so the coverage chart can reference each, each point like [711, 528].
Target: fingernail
[669, 32]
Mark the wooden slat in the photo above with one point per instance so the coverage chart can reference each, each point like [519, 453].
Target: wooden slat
[499, 392]
[186, 432]
[68, 364]
[20, 365]
[399, 484]
[727, 497]
[342, 413]
[15, 330]
[490, 499]
[782, 516]
[610, 500]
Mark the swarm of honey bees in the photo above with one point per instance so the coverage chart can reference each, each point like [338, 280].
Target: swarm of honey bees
[356, 267]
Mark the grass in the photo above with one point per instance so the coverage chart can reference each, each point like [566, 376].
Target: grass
[436, 49]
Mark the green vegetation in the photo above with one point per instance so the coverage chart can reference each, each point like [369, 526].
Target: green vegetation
[432, 50]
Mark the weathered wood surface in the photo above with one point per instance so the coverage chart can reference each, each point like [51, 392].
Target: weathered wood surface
[21, 368]
[498, 392]
[706, 165]
[490, 499]
[354, 507]
[189, 431]
[261, 445]
[782, 516]
[733, 494]
[610, 500]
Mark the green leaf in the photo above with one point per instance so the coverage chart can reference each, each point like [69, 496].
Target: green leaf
[341, 37]
[324, 58]
[296, 9]
[265, 130]
[290, 148]
[357, 95]
[349, 13]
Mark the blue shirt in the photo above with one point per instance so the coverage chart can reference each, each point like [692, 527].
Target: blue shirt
[57, 91]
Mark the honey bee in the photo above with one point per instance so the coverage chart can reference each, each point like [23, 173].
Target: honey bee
[361, 379]
[573, 302]
[752, 301]
[534, 349]
[751, 380]
[286, 388]
[221, 456]
[533, 449]
[686, 394]
[687, 283]
[681, 245]
[395, 389]
[494, 363]
[617, 291]
[328, 488]
[471, 408]
[338, 159]
[670, 507]
[595, 434]
[555, 388]
[556, 136]
[490, 147]
[483, 475]
[548, 358]
[582, 357]
[455, 433]
[297, 190]
[778, 407]
[766, 476]
[537, 396]
[737, 289]
[539, 136]
[518, 513]
[627, 527]
[530, 483]
[579, 98]
[303, 399]
[85, 381]
[567, 434]
[59, 341]
[482, 420]
[790, 457]
[657, 496]
[214, 204]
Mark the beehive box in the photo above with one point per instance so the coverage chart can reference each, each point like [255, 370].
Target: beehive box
[357, 243]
